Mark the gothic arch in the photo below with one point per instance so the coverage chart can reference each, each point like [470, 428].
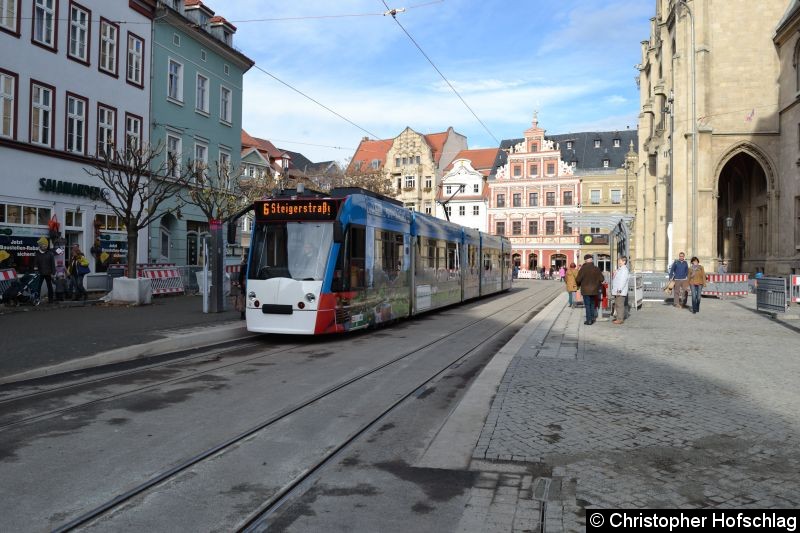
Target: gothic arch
[756, 153]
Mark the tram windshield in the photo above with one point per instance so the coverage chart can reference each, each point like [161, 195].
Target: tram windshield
[297, 250]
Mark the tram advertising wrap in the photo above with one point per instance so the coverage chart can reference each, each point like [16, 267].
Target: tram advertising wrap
[356, 259]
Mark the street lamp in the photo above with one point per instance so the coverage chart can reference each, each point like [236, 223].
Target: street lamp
[627, 166]
[285, 173]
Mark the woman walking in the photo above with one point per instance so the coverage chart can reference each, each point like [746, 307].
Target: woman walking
[78, 267]
[697, 280]
[572, 285]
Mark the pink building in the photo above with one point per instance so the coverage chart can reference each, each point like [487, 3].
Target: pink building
[528, 199]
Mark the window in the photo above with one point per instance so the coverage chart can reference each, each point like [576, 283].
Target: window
[606, 163]
[106, 130]
[8, 104]
[534, 170]
[427, 208]
[594, 196]
[164, 249]
[78, 41]
[176, 39]
[201, 95]
[500, 228]
[202, 55]
[616, 196]
[569, 145]
[797, 222]
[501, 200]
[133, 132]
[42, 119]
[551, 169]
[135, 66]
[449, 210]
[428, 182]
[476, 188]
[108, 222]
[9, 16]
[224, 163]
[173, 155]
[533, 199]
[76, 124]
[476, 210]
[573, 164]
[405, 160]
[550, 227]
[567, 229]
[225, 103]
[597, 143]
[550, 198]
[44, 26]
[411, 206]
[417, 160]
[462, 210]
[516, 199]
[448, 189]
[200, 158]
[376, 164]
[397, 161]
[24, 214]
[533, 227]
[175, 81]
[517, 171]
[516, 227]
[410, 182]
[226, 69]
[567, 198]
[109, 36]
[73, 219]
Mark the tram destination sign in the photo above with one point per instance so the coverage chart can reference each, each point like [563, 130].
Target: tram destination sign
[290, 210]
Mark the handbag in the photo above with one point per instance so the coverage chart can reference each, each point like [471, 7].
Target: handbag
[670, 286]
[83, 266]
[239, 303]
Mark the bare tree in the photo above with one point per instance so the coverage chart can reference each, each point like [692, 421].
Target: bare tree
[358, 175]
[137, 183]
[214, 190]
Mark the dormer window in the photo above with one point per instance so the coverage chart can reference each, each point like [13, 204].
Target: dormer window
[606, 163]
[597, 143]
[202, 19]
[616, 143]
[569, 145]
[228, 38]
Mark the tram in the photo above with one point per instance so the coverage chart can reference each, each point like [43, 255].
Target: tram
[322, 264]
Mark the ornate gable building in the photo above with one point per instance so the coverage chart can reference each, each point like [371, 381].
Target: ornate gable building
[528, 199]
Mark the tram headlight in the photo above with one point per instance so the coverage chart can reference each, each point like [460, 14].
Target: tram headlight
[251, 294]
[310, 297]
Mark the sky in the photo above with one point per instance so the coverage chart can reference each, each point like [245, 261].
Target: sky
[572, 60]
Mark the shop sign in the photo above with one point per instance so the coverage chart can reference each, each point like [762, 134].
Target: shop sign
[72, 189]
[115, 245]
[594, 238]
[21, 245]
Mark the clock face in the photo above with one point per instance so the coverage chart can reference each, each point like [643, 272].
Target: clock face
[587, 239]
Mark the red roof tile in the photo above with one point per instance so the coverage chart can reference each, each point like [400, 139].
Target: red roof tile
[368, 150]
[481, 159]
[436, 142]
[261, 144]
[221, 20]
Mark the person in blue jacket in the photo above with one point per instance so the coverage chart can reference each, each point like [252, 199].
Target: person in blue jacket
[679, 273]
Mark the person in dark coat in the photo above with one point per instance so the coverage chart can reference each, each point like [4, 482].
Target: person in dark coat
[589, 279]
[242, 287]
[45, 263]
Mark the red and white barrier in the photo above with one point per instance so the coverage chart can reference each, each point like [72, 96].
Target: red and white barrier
[794, 289]
[727, 285]
[164, 280]
[7, 275]
[233, 269]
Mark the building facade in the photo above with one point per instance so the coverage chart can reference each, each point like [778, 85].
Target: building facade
[196, 98]
[710, 135]
[528, 198]
[74, 83]
[463, 197]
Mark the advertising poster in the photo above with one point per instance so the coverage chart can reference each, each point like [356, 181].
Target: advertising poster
[20, 244]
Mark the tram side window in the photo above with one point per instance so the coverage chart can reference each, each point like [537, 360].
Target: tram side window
[356, 255]
[452, 256]
[472, 253]
[388, 255]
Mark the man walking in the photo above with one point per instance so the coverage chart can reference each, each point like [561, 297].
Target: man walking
[45, 263]
[619, 288]
[679, 273]
[589, 280]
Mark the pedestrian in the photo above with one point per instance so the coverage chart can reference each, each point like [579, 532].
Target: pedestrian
[515, 272]
[590, 280]
[697, 280]
[78, 268]
[679, 274]
[45, 263]
[572, 285]
[619, 288]
[240, 299]
[561, 274]
[723, 268]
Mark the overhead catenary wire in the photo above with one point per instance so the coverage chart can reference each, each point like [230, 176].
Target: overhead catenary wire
[393, 13]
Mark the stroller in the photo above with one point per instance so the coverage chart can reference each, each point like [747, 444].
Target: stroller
[24, 290]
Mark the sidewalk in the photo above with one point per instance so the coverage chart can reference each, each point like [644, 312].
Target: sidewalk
[668, 410]
[39, 341]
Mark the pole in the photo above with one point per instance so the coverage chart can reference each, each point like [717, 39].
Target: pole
[205, 275]
[217, 267]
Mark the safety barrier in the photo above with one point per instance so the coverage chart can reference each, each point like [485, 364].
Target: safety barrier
[794, 286]
[7, 275]
[771, 295]
[525, 274]
[189, 277]
[724, 285]
[653, 285]
[164, 280]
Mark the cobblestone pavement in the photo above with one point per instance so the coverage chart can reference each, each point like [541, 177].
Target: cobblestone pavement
[668, 410]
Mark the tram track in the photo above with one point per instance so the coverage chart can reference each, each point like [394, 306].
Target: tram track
[127, 374]
[258, 517]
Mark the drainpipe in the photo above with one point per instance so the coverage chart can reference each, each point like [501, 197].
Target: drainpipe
[694, 129]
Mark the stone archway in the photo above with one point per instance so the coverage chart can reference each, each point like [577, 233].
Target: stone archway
[743, 212]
